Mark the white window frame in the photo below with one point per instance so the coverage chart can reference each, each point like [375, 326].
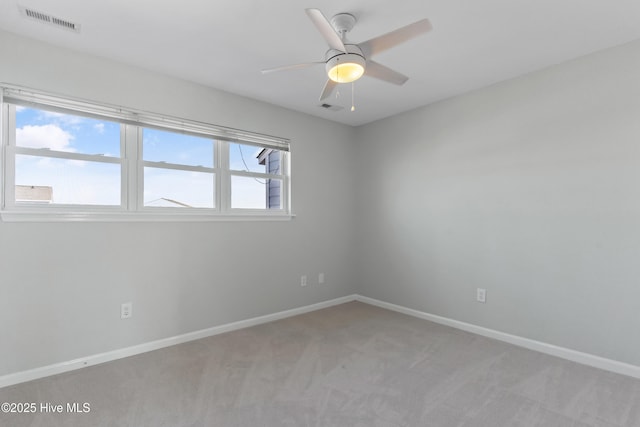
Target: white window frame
[141, 164]
[132, 123]
[230, 173]
[11, 150]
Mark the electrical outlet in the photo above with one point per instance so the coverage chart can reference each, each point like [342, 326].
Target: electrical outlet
[126, 310]
[303, 281]
[481, 295]
[321, 278]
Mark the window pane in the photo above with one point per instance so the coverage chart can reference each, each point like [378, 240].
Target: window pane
[177, 148]
[254, 159]
[64, 132]
[63, 181]
[178, 189]
[255, 193]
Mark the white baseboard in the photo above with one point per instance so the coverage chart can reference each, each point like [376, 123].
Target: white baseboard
[553, 350]
[58, 368]
[564, 353]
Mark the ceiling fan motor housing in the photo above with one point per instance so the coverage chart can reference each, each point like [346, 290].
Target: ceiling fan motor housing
[345, 67]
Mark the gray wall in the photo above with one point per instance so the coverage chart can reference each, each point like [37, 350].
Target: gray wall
[61, 284]
[530, 189]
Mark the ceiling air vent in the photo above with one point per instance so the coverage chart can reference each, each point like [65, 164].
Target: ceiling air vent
[331, 107]
[49, 19]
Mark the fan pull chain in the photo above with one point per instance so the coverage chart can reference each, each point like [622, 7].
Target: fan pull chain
[353, 96]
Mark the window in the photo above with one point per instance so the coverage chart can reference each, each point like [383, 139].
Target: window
[178, 170]
[255, 177]
[64, 159]
[69, 159]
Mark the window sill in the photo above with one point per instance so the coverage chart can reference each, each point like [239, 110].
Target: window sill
[30, 216]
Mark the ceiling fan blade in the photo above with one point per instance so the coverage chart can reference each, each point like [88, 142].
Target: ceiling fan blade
[387, 41]
[290, 67]
[328, 88]
[386, 74]
[324, 26]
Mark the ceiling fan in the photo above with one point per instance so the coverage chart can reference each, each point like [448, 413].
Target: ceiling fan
[346, 62]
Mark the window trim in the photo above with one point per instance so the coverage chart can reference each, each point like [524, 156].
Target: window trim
[132, 164]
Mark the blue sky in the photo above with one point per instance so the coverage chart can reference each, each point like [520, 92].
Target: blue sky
[62, 132]
[84, 182]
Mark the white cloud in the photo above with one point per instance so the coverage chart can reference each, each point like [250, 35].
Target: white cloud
[65, 119]
[99, 127]
[46, 136]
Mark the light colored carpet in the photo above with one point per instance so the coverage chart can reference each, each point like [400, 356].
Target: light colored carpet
[349, 365]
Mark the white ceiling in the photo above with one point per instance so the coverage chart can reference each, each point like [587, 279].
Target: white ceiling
[225, 43]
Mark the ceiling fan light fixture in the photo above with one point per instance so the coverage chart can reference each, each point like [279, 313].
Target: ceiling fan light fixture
[345, 68]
